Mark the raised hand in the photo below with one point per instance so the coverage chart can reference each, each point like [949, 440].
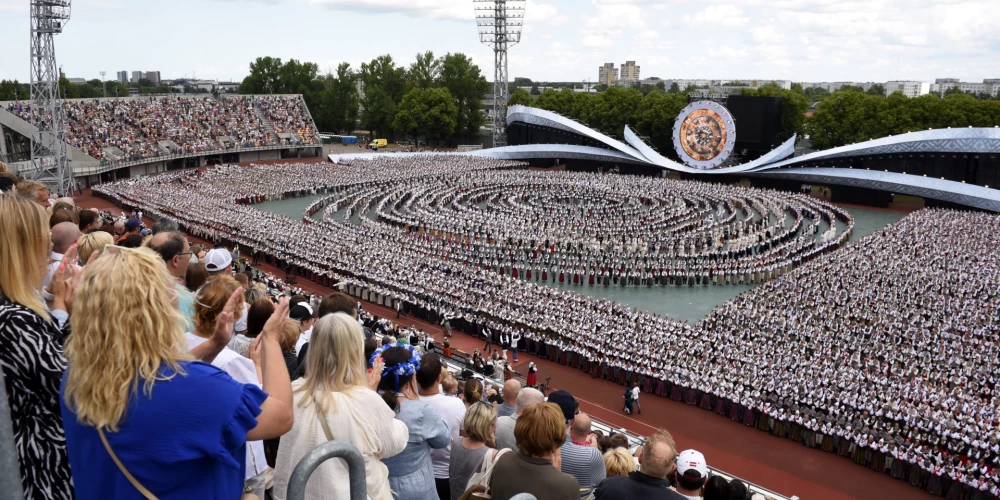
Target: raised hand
[375, 373]
[224, 325]
[276, 323]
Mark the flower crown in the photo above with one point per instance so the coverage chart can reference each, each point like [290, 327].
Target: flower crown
[403, 369]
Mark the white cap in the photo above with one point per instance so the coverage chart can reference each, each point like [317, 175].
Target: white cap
[692, 460]
[217, 259]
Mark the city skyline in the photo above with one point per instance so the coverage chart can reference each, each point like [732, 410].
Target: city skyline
[822, 40]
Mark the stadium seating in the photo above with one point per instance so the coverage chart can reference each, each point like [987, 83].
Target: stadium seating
[131, 129]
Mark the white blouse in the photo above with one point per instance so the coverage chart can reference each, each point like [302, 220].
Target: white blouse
[358, 416]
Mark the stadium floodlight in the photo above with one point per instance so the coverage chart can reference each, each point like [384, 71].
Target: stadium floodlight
[500, 23]
[49, 158]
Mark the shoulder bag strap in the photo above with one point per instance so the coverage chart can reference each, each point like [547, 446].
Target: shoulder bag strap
[128, 475]
[321, 415]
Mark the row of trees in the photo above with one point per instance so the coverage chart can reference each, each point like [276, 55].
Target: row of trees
[438, 98]
[651, 114]
[850, 116]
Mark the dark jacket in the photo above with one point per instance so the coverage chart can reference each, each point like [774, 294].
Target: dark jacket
[637, 485]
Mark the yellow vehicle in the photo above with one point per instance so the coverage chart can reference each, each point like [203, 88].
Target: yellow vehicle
[378, 143]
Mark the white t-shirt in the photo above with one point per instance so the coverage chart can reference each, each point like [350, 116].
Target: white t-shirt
[635, 394]
[452, 410]
[241, 324]
[242, 370]
[303, 338]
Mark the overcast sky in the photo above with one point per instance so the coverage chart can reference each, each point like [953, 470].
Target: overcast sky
[563, 40]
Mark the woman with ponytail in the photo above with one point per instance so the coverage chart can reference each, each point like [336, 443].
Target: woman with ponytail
[411, 474]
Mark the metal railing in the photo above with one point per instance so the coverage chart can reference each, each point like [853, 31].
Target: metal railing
[98, 168]
[330, 449]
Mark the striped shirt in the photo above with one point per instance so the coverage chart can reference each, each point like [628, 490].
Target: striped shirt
[584, 463]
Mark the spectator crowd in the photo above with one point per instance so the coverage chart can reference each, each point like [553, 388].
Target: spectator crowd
[136, 128]
[882, 351]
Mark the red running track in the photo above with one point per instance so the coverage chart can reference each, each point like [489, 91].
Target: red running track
[775, 463]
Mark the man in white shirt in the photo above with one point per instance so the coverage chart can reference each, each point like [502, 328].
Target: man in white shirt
[635, 398]
[303, 313]
[691, 474]
[64, 235]
[452, 410]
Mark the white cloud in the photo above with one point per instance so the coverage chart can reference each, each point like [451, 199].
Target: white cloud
[720, 15]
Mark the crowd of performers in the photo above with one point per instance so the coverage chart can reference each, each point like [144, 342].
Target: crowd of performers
[883, 351]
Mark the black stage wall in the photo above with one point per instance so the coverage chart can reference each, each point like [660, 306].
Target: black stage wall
[758, 120]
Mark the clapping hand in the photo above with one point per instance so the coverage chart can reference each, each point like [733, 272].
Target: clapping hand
[224, 325]
[65, 280]
[276, 323]
[375, 373]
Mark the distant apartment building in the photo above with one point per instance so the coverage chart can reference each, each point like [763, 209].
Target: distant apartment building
[153, 76]
[909, 88]
[607, 74]
[136, 76]
[629, 73]
[122, 77]
[989, 86]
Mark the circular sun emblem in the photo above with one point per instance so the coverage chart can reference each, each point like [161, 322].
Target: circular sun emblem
[704, 134]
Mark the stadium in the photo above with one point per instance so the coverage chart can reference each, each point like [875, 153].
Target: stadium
[199, 298]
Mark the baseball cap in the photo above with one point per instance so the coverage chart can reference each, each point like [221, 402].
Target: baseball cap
[217, 259]
[692, 460]
[301, 311]
[132, 224]
[566, 402]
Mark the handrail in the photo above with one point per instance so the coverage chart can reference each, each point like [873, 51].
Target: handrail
[97, 168]
[10, 475]
[330, 449]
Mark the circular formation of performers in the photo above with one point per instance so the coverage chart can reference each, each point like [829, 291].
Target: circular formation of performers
[884, 350]
[592, 229]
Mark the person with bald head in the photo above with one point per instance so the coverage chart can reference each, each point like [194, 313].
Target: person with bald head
[581, 455]
[510, 390]
[657, 460]
[119, 229]
[64, 235]
[505, 425]
[175, 251]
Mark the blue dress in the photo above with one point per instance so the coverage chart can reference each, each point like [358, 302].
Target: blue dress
[188, 440]
[411, 473]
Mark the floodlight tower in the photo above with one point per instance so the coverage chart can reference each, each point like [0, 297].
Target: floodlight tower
[500, 23]
[49, 162]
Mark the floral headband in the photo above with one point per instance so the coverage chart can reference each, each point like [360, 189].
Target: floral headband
[404, 369]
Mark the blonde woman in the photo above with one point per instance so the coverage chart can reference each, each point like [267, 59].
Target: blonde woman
[178, 427]
[93, 242]
[618, 462]
[336, 401]
[479, 428]
[31, 345]
[209, 302]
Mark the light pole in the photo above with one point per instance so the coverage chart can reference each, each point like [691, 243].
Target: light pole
[104, 85]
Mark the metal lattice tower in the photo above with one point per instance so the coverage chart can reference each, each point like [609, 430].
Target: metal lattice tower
[49, 157]
[500, 23]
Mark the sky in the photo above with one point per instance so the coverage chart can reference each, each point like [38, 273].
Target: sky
[562, 40]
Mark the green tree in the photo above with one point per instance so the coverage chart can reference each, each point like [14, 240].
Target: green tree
[534, 90]
[264, 77]
[339, 110]
[144, 82]
[655, 118]
[522, 97]
[467, 85]
[877, 89]
[432, 113]
[384, 85]
[68, 90]
[424, 72]
[851, 88]
[797, 88]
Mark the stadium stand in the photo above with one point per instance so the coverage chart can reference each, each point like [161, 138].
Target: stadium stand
[136, 128]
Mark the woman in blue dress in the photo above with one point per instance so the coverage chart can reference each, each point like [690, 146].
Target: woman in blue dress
[411, 474]
[134, 392]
